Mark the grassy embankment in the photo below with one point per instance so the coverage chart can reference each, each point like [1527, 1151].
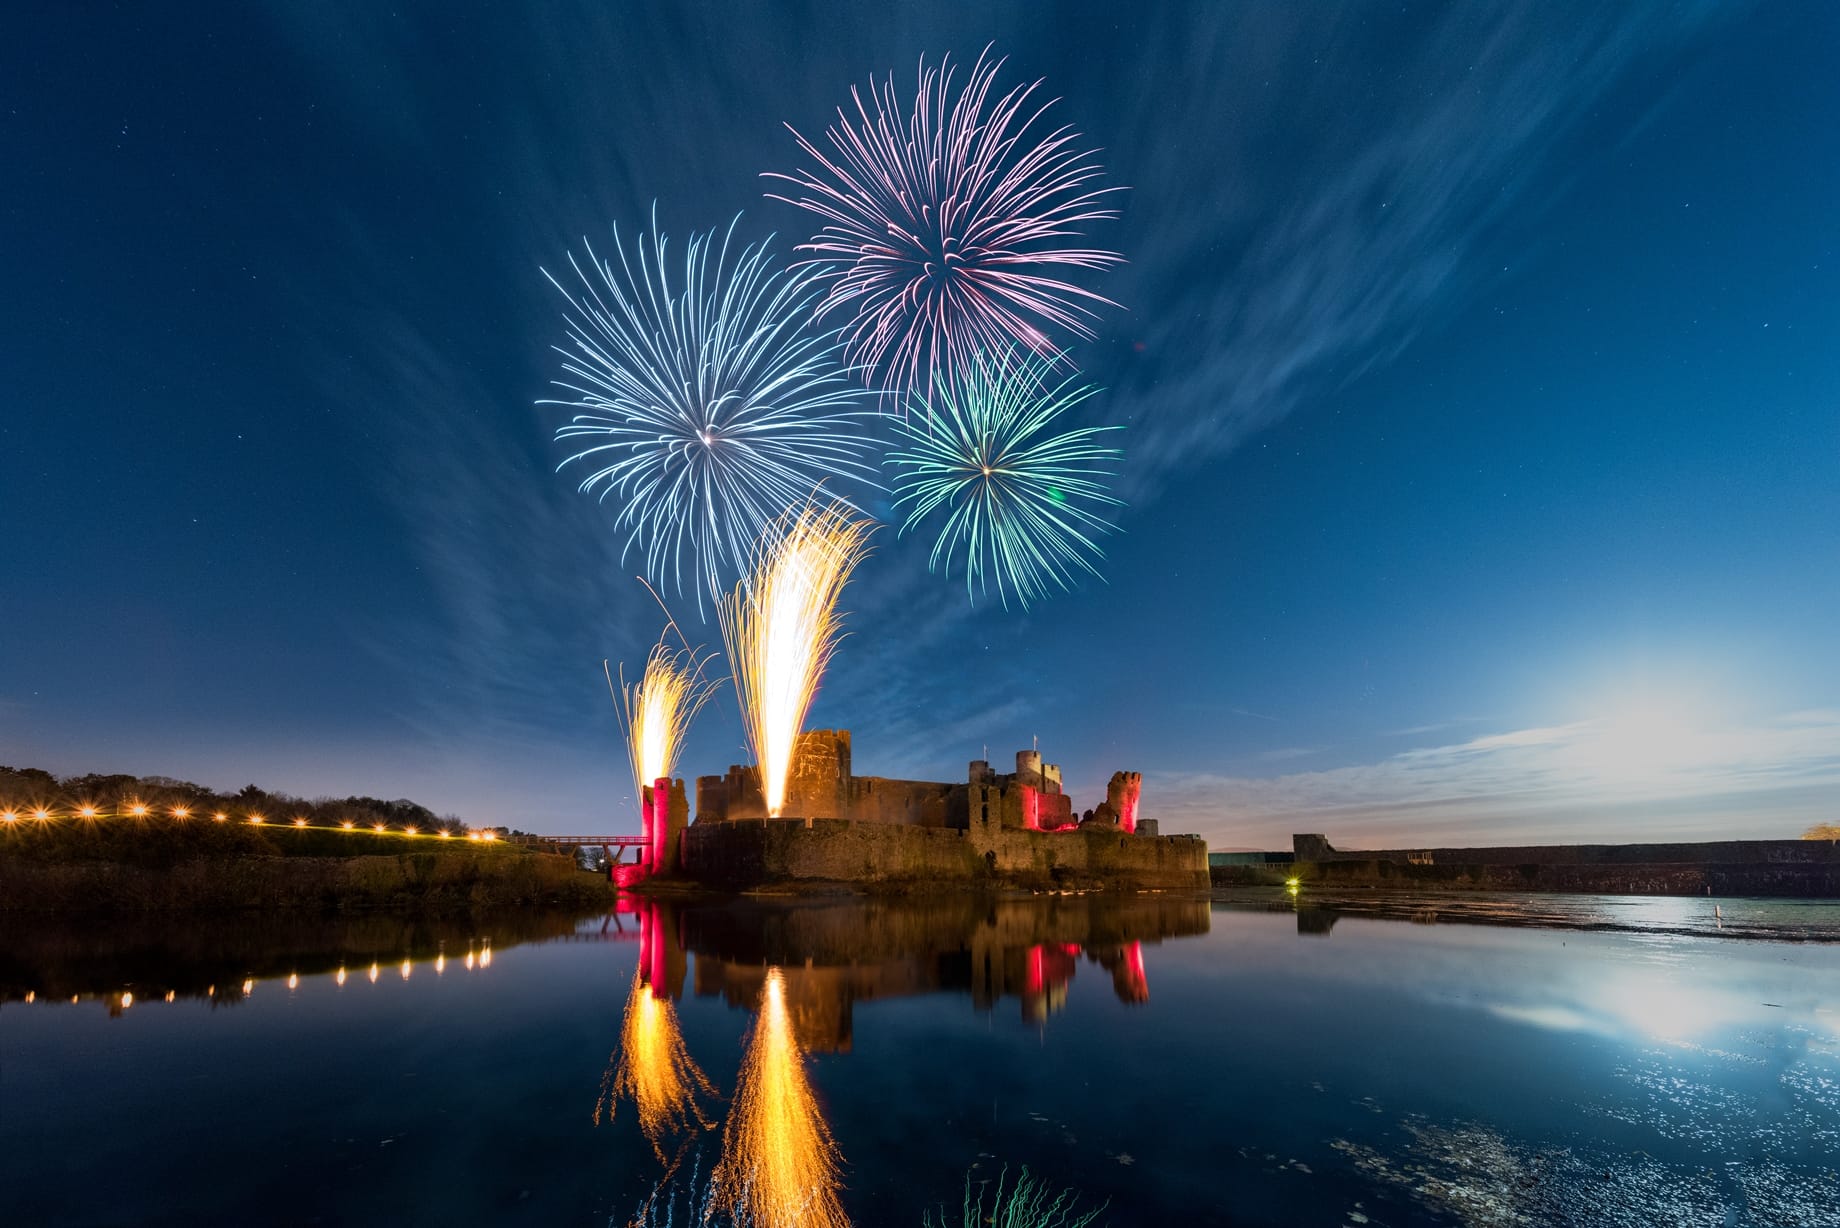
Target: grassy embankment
[126, 865]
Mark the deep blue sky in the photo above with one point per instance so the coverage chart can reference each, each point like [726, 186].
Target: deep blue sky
[1478, 364]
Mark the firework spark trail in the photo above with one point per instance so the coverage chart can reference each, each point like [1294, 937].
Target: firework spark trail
[945, 226]
[983, 448]
[708, 406]
[655, 1071]
[656, 711]
[779, 1162]
[781, 624]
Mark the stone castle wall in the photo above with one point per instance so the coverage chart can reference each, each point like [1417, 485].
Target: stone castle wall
[918, 803]
[997, 827]
[785, 851]
[822, 786]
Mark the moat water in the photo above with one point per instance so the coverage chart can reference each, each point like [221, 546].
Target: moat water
[1174, 1060]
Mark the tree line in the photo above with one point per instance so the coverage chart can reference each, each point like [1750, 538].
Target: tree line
[26, 788]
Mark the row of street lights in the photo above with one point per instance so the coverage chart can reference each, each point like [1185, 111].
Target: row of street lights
[140, 810]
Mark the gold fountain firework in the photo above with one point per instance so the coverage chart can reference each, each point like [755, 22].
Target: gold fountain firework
[781, 624]
[779, 1163]
[655, 1071]
[657, 710]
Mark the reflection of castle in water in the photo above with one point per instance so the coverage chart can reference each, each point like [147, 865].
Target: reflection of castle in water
[830, 956]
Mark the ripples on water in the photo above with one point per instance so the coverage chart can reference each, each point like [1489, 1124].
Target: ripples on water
[829, 1062]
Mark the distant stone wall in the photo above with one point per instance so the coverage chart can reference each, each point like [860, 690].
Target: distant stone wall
[1782, 878]
[740, 855]
[1317, 848]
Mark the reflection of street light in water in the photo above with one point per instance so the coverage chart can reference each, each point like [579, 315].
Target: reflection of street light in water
[655, 1070]
[778, 1160]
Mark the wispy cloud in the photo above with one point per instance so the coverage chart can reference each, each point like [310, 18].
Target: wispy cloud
[531, 591]
[1285, 280]
[1592, 780]
[1283, 753]
[1419, 731]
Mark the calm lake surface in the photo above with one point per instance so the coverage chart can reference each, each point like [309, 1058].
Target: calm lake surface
[1184, 1060]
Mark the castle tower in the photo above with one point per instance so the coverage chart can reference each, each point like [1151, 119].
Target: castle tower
[1121, 794]
[1050, 778]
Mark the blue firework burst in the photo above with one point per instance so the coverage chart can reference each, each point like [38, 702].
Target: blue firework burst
[705, 406]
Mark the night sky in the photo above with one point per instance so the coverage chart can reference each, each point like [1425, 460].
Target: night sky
[1478, 365]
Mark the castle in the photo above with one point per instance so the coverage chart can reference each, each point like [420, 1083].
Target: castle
[822, 786]
[1000, 827]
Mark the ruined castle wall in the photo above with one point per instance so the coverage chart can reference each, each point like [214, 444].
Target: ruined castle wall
[822, 787]
[921, 803]
[828, 850]
[872, 799]
[1015, 805]
[1107, 856]
[820, 768]
[712, 797]
[816, 787]
[742, 855]
[1121, 794]
[1054, 810]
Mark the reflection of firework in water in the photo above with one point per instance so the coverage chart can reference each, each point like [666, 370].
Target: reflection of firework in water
[943, 225]
[781, 625]
[657, 710]
[655, 1071]
[984, 450]
[779, 1164]
[1028, 1202]
[706, 407]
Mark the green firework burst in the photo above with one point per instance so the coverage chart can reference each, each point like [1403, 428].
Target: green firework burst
[1021, 499]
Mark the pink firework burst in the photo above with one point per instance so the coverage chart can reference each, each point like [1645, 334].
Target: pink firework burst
[947, 228]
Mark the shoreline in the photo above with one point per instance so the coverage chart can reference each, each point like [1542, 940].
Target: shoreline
[1755, 918]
